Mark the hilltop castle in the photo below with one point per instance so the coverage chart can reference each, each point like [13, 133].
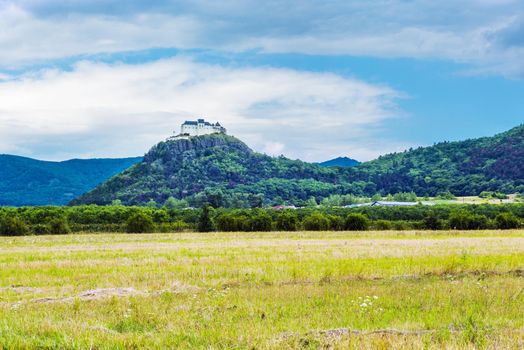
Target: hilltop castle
[198, 128]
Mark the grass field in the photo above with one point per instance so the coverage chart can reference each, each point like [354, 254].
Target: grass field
[263, 290]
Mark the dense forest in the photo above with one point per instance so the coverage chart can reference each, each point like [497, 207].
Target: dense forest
[463, 168]
[26, 181]
[221, 170]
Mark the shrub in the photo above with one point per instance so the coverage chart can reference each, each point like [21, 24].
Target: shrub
[506, 221]
[446, 196]
[431, 221]
[139, 222]
[232, 222]
[357, 222]
[261, 221]
[462, 220]
[287, 221]
[383, 225]
[13, 226]
[177, 226]
[401, 225]
[40, 229]
[59, 226]
[336, 223]
[316, 222]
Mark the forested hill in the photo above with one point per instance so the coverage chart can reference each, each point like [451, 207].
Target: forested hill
[216, 168]
[26, 181]
[224, 171]
[464, 168]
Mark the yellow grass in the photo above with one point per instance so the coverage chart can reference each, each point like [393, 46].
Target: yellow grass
[265, 290]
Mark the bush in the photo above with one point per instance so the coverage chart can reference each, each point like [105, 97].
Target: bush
[177, 226]
[287, 221]
[506, 221]
[382, 225]
[233, 222]
[13, 226]
[139, 222]
[336, 223]
[357, 222]
[462, 220]
[431, 221]
[316, 222]
[446, 196]
[59, 226]
[261, 221]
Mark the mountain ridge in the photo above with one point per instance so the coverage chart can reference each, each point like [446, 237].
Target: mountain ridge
[222, 166]
[28, 181]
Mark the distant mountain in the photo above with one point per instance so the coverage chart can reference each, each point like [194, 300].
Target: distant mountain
[26, 181]
[343, 162]
[224, 171]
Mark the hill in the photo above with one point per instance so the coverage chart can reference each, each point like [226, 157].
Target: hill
[463, 167]
[26, 181]
[224, 171]
[344, 162]
[216, 168]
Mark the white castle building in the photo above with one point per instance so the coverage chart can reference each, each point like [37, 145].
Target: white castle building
[198, 128]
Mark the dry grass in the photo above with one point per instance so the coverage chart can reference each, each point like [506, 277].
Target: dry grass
[263, 290]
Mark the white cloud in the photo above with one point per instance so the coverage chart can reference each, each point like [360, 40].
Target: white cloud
[463, 32]
[121, 110]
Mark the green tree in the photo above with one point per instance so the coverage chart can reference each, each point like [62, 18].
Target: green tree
[151, 204]
[13, 226]
[205, 224]
[287, 221]
[140, 222]
[173, 203]
[59, 226]
[506, 221]
[316, 222]
[261, 221]
[432, 221]
[357, 222]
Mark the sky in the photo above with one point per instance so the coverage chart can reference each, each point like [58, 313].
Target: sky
[308, 79]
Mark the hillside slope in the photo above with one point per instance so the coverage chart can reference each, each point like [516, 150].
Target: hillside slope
[224, 171]
[218, 167]
[464, 167]
[26, 181]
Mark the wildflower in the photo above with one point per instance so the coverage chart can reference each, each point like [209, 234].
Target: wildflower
[375, 297]
[363, 305]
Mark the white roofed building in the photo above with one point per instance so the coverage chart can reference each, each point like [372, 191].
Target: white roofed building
[199, 127]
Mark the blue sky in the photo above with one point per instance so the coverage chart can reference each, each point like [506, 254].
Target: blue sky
[308, 79]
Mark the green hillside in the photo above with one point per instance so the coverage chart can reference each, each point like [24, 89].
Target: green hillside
[219, 168]
[26, 181]
[224, 171]
[464, 168]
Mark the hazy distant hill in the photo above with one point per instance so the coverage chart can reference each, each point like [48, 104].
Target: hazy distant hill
[223, 170]
[26, 181]
[344, 162]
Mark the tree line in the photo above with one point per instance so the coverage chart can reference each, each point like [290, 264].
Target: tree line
[119, 218]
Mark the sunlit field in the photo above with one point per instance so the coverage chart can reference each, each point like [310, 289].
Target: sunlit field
[414, 289]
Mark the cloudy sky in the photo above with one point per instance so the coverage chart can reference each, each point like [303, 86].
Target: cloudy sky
[308, 79]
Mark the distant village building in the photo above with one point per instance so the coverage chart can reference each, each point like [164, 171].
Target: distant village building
[199, 127]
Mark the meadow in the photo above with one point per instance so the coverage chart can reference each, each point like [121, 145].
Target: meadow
[276, 290]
